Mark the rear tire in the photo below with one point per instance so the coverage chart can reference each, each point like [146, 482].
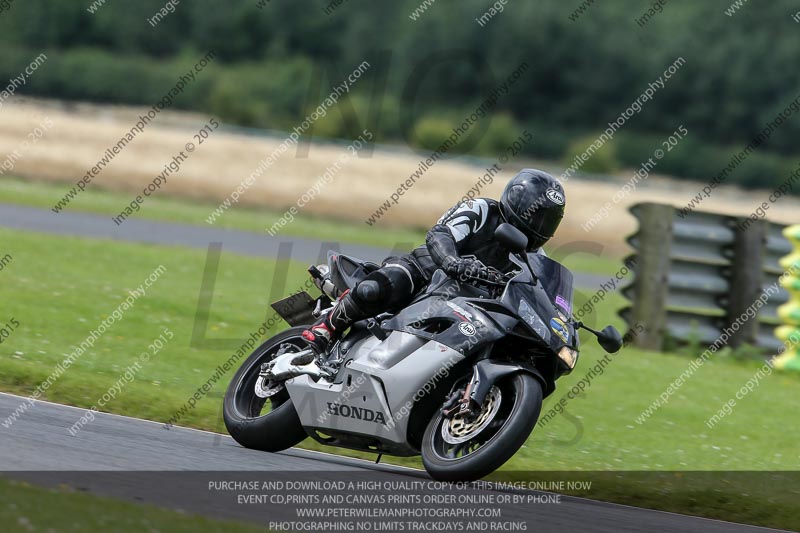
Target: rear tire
[276, 430]
[495, 443]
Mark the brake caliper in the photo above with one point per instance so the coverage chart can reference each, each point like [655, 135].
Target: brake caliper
[459, 403]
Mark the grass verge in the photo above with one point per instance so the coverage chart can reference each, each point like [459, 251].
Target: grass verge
[27, 508]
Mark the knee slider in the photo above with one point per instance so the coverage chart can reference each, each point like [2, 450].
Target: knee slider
[369, 291]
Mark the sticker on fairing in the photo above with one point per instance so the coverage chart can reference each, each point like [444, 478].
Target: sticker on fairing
[467, 329]
[460, 310]
[560, 328]
[563, 304]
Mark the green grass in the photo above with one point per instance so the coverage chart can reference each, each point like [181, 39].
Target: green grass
[600, 431]
[240, 217]
[26, 508]
[59, 289]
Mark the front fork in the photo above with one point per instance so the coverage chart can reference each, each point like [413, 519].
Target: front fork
[465, 402]
[485, 374]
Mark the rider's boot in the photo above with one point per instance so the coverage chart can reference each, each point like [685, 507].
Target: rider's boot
[329, 328]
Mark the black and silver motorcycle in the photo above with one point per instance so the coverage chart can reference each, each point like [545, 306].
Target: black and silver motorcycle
[457, 376]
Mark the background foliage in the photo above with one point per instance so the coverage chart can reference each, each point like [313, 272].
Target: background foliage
[275, 64]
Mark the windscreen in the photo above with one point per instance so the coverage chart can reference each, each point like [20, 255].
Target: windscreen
[556, 280]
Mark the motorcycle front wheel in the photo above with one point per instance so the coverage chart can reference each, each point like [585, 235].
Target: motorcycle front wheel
[467, 448]
[268, 424]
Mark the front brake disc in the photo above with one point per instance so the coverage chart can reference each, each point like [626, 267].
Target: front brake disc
[464, 427]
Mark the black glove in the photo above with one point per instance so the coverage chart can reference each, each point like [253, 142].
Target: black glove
[457, 266]
[471, 268]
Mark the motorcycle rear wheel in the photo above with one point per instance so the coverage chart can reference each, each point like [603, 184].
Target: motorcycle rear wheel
[244, 413]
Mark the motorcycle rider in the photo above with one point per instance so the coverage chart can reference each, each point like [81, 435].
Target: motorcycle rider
[533, 202]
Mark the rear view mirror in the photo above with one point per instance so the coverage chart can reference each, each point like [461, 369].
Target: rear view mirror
[511, 238]
[610, 339]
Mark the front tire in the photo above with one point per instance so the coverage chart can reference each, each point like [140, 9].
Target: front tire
[248, 418]
[455, 451]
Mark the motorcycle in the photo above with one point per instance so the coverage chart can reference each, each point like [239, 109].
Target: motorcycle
[458, 376]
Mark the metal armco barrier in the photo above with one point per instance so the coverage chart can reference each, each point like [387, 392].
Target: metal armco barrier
[696, 274]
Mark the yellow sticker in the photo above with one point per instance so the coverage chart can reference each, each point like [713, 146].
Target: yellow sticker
[560, 328]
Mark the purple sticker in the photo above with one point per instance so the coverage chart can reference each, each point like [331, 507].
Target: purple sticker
[563, 303]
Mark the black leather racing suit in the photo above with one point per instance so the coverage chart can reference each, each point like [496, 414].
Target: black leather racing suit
[466, 229]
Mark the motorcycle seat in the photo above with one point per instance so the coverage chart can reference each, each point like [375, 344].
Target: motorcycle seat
[347, 271]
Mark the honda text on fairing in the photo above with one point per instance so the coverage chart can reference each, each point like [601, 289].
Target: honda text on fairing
[457, 376]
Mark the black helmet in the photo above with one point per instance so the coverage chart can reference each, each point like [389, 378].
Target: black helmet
[533, 202]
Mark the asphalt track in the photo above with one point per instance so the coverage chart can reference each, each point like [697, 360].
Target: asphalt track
[140, 461]
[118, 457]
[173, 234]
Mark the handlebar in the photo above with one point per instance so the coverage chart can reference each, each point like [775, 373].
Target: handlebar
[484, 281]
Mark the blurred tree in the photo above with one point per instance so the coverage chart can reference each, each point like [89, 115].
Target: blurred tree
[739, 70]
